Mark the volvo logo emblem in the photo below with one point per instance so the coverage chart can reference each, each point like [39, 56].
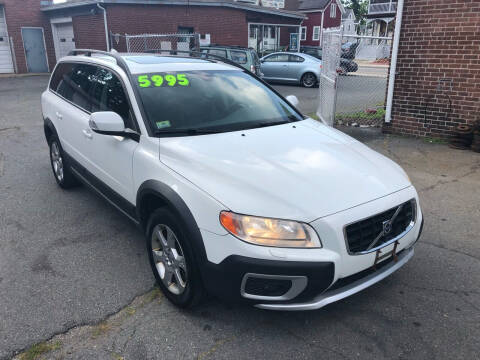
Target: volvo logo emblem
[387, 227]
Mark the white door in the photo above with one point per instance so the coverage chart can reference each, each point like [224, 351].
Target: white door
[111, 157]
[64, 39]
[6, 63]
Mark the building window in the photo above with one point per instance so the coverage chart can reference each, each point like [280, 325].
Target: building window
[303, 34]
[316, 33]
[333, 10]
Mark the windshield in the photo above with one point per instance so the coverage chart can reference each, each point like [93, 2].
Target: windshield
[210, 101]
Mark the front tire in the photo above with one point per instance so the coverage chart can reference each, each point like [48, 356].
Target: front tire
[309, 80]
[60, 167]
[172, 261]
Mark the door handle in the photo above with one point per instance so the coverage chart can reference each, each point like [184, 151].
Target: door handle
[59, 116]
[88, 134]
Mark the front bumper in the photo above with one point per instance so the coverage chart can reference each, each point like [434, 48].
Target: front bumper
[327, 274]
[340, 293]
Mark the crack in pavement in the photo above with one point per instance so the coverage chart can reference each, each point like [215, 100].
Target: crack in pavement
[16, 352]
[450, 249]
[473, 169]
[10, 128]
[457, 293]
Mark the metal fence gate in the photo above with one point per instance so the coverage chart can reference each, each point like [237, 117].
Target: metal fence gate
[331, 45]
[161, 43]
[361, 91]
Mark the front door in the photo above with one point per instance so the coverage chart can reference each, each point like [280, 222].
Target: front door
[275, 67]
[35, 53]
[110, 157]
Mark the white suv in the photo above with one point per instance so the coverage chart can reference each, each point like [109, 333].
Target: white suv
[239, 194]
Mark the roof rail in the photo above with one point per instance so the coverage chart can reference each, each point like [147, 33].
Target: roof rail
[88, 52]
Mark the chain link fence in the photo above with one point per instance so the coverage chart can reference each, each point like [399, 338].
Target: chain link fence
[362, 81]
[166, 44]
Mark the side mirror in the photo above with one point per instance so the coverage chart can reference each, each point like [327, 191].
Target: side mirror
[293, 100]
[107, 123]
[262, 60]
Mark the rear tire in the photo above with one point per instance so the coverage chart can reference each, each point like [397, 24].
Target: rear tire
[172, 259]
[309, 80]
[60, 166]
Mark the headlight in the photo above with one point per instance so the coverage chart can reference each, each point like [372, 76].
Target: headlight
[270, 232]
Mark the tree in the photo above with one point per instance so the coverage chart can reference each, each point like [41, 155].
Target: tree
[359, 7]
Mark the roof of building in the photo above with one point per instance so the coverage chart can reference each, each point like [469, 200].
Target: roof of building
[219, 3]
[347, 14]
[317, 5]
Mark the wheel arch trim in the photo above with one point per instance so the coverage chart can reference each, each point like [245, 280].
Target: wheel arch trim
[176, 203]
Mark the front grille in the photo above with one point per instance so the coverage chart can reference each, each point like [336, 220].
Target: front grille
[362, 234]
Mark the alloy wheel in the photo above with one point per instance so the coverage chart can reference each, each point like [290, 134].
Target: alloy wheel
[309, 80]
[169, 259]
[57, 161]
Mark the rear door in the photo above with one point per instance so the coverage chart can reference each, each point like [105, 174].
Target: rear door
[68, 107]
[275, 67]
[296, 67]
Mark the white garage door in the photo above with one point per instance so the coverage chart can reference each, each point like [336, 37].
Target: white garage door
[65, 40]
[6, 64]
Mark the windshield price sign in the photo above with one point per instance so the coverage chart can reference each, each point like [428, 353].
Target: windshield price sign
[159, 80]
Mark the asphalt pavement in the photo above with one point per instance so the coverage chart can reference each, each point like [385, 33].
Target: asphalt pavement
[74, 272]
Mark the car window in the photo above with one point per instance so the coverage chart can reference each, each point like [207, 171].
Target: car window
[218, 52]
[60, 78]
[296, 59]
[218, 100]
[240, 57]
[76, 85]
[108, 95]
[277, 58]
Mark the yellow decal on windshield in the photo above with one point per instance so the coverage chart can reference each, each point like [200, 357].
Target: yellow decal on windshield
[159, 80]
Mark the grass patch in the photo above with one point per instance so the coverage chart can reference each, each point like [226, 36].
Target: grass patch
[100, 329]
[130, 311]
[153, 295]
[313, 116]
[434, 140]
[117, 356]
[361, 115]
[39, 349]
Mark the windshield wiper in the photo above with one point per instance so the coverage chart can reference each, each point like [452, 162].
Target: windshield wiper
[186, 132]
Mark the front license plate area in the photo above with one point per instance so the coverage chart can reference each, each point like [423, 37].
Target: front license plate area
[380, 255]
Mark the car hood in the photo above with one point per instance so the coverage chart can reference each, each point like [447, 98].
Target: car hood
[299, 171]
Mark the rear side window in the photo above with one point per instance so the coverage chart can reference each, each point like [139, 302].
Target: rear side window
[295, 58]
[108, 95]
[60, 78]
[74, 82]
[240, 57]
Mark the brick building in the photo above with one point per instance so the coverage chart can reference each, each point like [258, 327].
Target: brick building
[438, 70]
[23, 21]
[36, 33]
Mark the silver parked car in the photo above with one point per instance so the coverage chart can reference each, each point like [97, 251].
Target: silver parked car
[292, 68]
